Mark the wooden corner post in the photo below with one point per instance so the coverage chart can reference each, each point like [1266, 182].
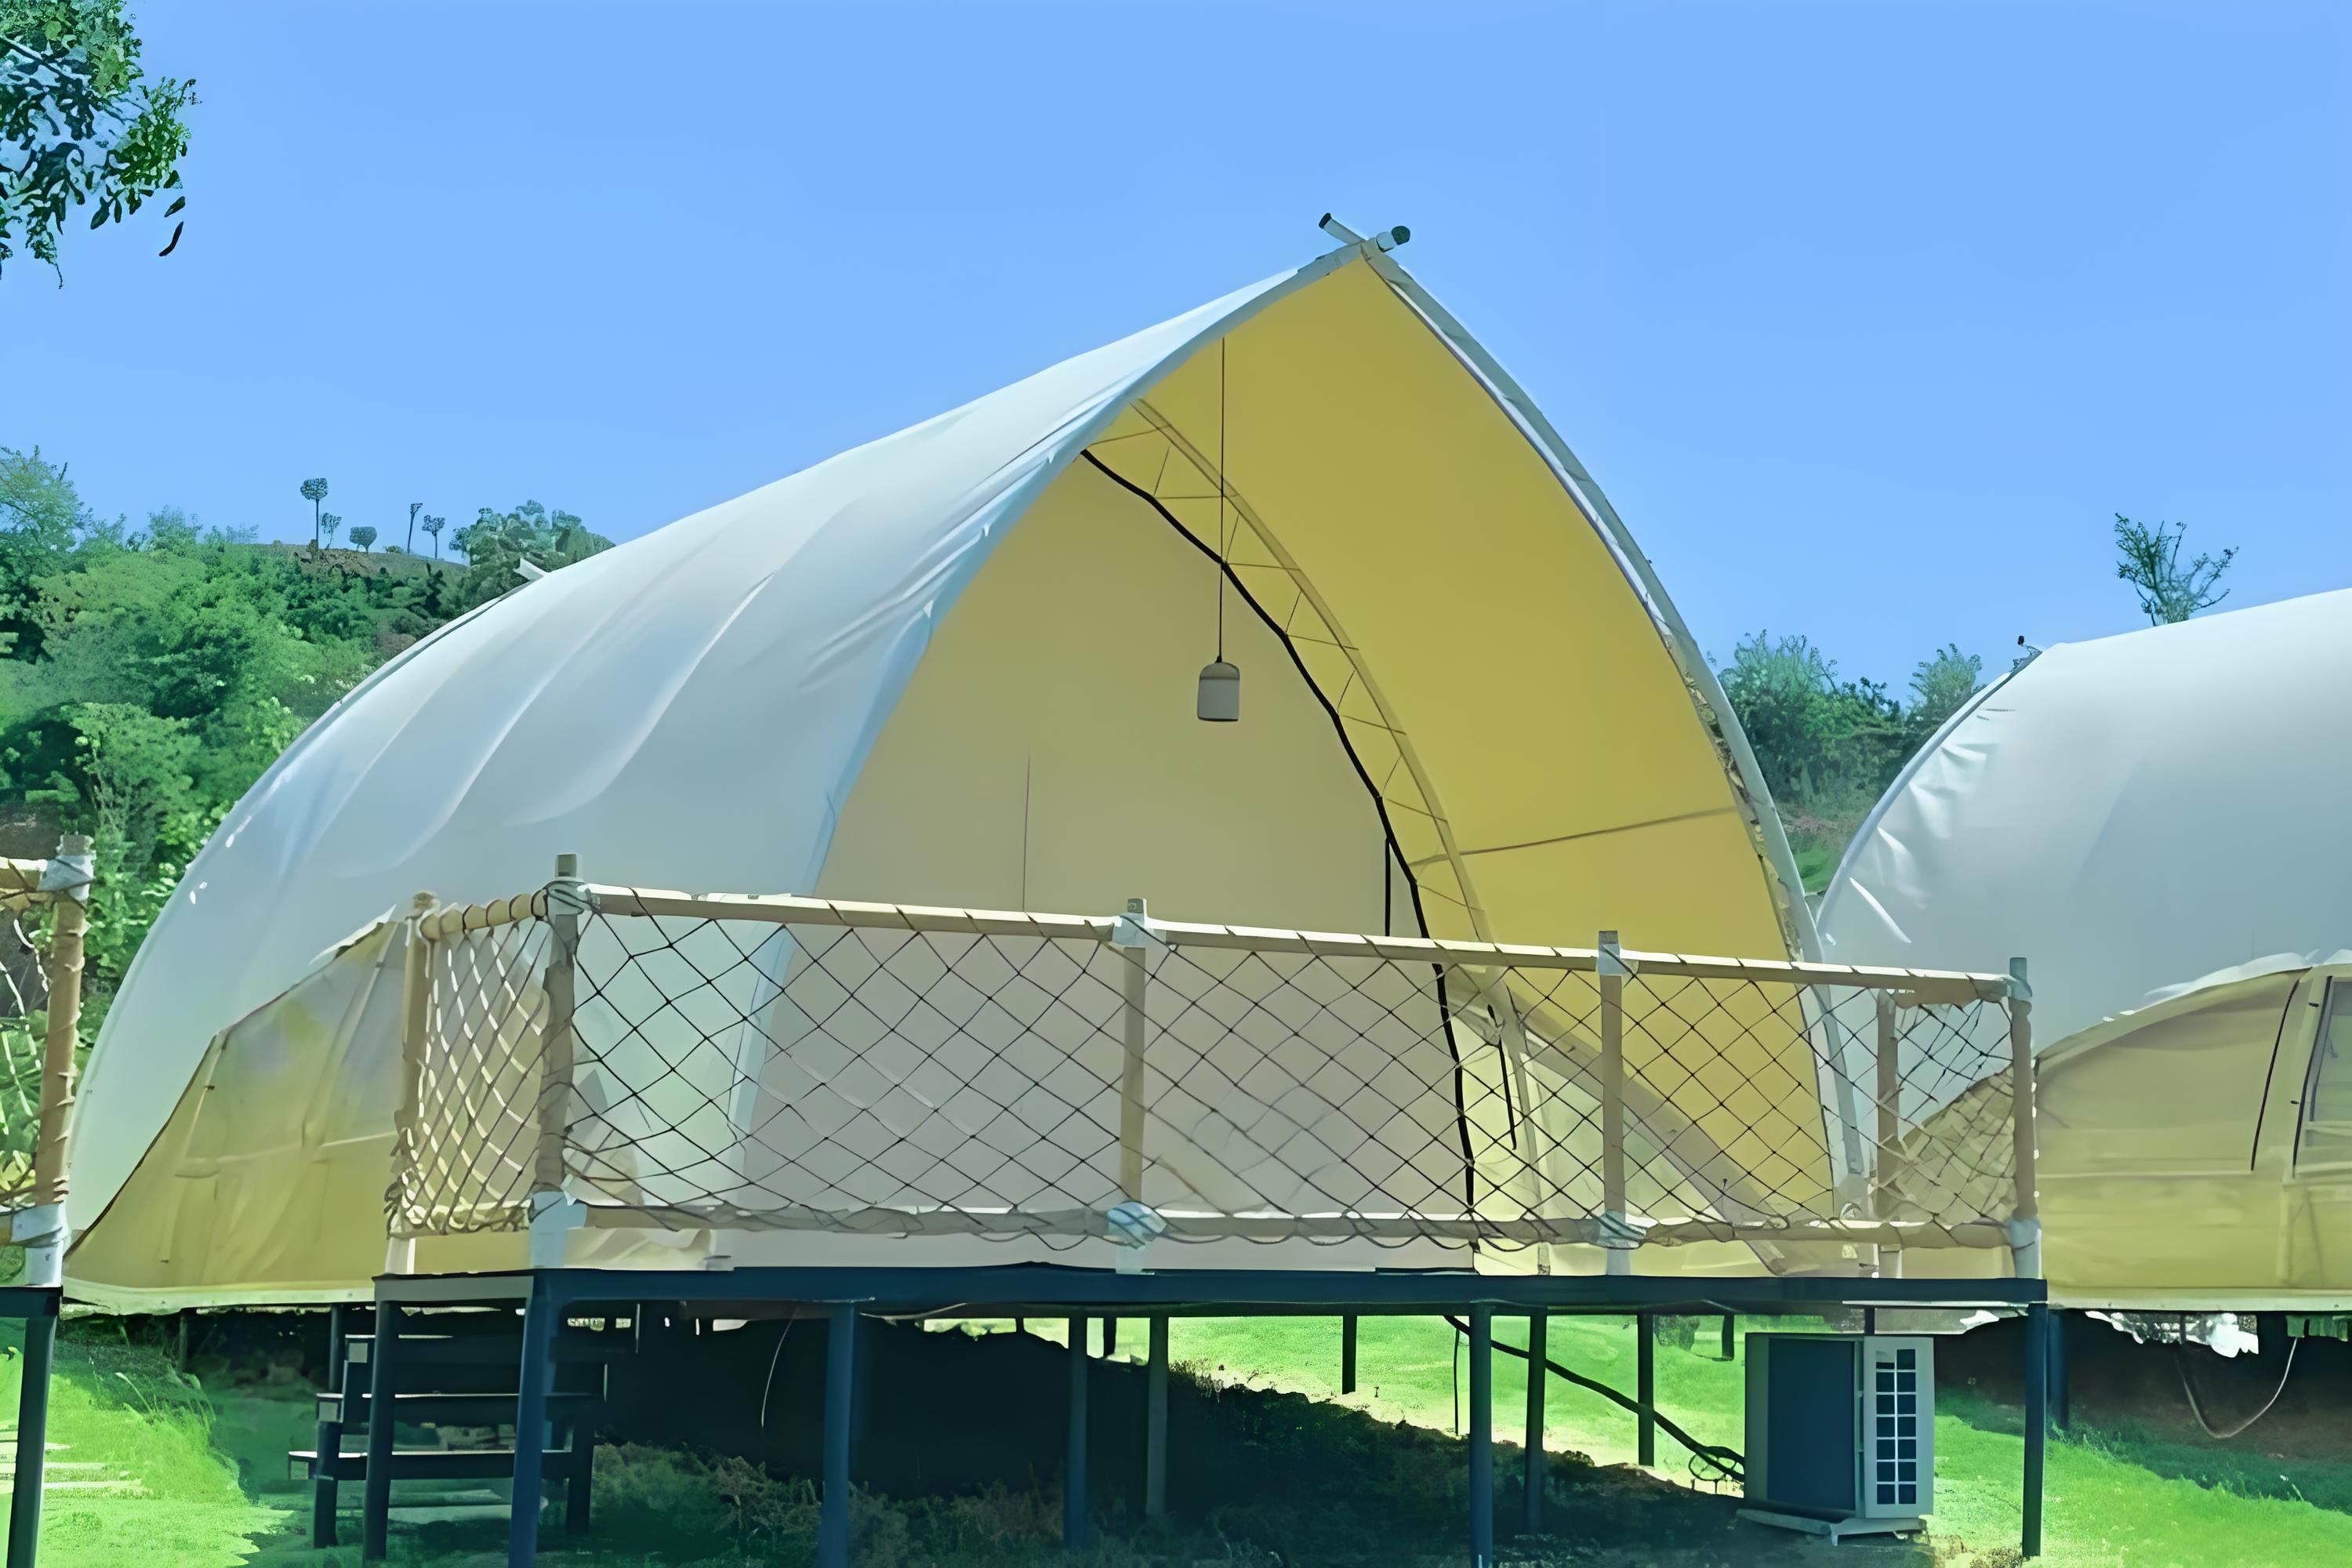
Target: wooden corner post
[409, 1153]
[65, 881]
[1130, 936]
[1618, 1232]
[1889, 1159]
[2025, 1219]
[550, 1216]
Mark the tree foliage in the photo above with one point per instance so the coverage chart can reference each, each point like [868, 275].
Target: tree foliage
[2149, 560]
[150, 675]
[1829, 747]
[496, 542]
[363, 536]
[81, 124]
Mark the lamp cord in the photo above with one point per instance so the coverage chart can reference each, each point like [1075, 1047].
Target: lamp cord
[1221, 500]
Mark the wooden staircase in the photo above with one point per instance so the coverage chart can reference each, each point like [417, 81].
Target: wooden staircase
[438, 1424]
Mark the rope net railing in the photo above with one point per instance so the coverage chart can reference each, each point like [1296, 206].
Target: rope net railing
[663, 1058]
[24, 1036]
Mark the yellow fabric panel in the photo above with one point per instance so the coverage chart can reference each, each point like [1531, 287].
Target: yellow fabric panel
[267, 1182]
[2163, 1160]
[1542, 765]
[1628, 874]
[1046, 754]
[1527, 671]
[2180, 1095]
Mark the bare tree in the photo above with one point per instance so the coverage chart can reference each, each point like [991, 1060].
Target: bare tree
[2169, 592]
[413, 508]
[328, 523]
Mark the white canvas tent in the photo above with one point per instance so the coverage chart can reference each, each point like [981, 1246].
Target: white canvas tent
[2158, 819]
[957, 666]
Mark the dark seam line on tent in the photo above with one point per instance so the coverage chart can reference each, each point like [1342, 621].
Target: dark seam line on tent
[1379, 804]
[1600, 832]
[2270, 1073]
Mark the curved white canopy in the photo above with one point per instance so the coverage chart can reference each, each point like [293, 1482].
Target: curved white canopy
[1469, 710]
[2128, 813]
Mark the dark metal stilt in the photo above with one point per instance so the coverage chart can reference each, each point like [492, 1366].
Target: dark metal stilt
[375, 1492]
[840, 1392]
[2061, 1398]
[1645, 1387]
[2037, 1420]
[539, 1315]
[1155, 1421]
[32, 1437]
[1730, 1337]
[1347, 1353]
[1111, 1338]
[1482, 1437]
[335, 1346]
[1537, 1377]
[1075, 1534]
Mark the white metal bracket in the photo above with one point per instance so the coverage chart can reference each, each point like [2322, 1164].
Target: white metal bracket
[1133, 929]
[554, 1217]
[70, 875]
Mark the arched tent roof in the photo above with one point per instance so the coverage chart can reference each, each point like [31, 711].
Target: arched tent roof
[2128, 814]
[955, 666]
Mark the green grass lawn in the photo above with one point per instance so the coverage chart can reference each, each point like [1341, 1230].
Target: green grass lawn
[2115, 1497]
[135, 1478]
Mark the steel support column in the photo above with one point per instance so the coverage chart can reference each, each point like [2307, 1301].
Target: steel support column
[375, 1491]
[1075, 1534]
[1645, 1387]
[1155, 1421]
[2037, 1421]
[32, 1436]
[841, 1338]
[1482, 1437]
[1538, 1321]
[536, 1371]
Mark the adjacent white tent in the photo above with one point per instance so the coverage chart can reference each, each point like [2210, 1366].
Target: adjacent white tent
[2144, 816]
[956, 667]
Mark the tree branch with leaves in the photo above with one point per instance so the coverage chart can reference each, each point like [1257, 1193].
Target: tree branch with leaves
[2169, 592]
[81, 124]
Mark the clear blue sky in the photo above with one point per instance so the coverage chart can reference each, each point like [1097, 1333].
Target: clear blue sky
[1867, 317]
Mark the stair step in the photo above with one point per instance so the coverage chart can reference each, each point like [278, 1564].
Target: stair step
[454, 1407]
[434, 1464]
[478, 1350]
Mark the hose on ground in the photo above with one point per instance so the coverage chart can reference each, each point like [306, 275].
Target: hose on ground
[1720, 1465]
[2181, 1361]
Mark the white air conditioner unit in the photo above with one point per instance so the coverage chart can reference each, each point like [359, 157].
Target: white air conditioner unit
[1841, 1432]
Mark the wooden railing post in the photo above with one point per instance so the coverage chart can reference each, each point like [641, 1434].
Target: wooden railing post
[1610, 977]
[1889, 1162]
[65, 882]
[409, 1152]
[551, 1217]
[1129, 938]
[2025, 1219]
